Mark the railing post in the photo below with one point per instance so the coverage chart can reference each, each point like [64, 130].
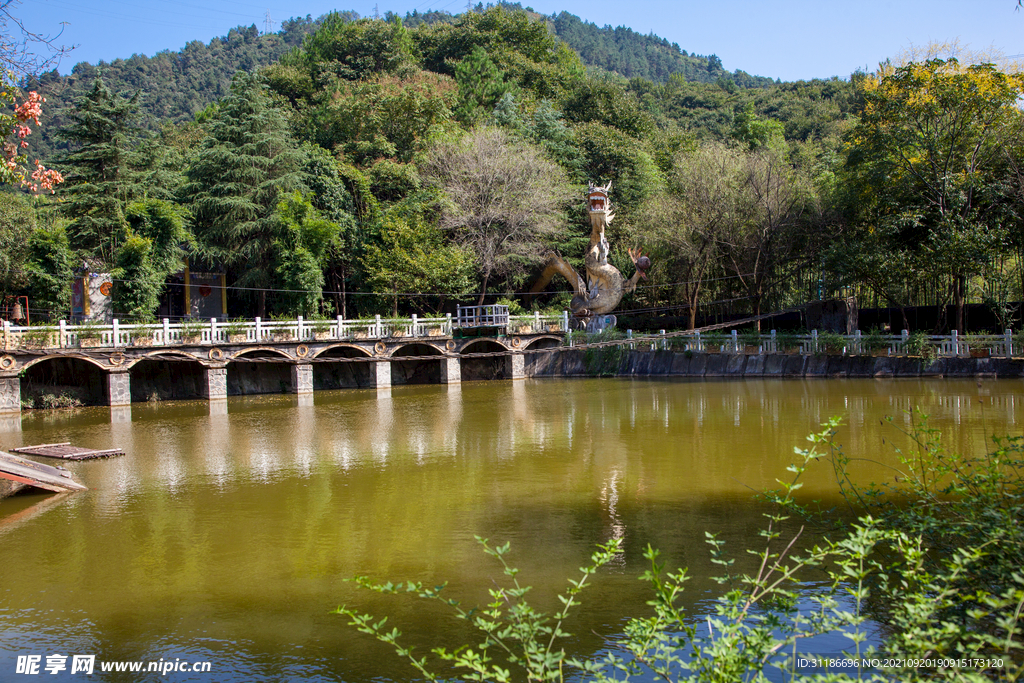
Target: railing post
[857, 342]
[259, 331]
[954, 340]
[414, 326]
[700, 343]
[773, 344]
[62, 340]
[629, 335]
[664, 342]
[213, 330]
[298, 328]
[167, 331]
[1008, 343]
[565, 321]
[735, 341]
[814, 341]
[379, 331]
[448, 323]
[7, 334]
[116, 341]
[337, 335]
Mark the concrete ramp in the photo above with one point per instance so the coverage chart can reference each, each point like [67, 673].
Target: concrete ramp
[19, 472]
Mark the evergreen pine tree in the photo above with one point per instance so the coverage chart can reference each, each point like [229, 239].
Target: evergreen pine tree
[248, 160]
[98, 178]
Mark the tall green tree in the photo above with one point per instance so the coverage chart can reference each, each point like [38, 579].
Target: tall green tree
[246, 164]
[50, 267]
[99, 181]
[17, 221]
[928, 155]
[481, 85]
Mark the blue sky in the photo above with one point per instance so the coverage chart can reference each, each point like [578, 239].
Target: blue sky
[787, 39]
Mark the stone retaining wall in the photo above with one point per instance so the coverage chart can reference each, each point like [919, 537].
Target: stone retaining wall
[572, 363]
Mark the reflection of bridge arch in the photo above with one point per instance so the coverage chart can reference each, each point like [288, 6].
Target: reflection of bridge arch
[77, 376]
[341, 374]
[417, 363]
[487, 367]
[270, 374]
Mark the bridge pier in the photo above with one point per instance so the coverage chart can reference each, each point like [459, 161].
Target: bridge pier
[216, 383]
[516, 366]
[302, 378]
[119, 388]
[451, 371]
[380, 374]
[10, 395]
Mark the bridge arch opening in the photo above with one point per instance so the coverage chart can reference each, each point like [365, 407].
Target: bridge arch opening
[260, 371]
[340, 374]
[62, 381]
[158, 379]
[416, 364]
[487, 367]
[533, 362]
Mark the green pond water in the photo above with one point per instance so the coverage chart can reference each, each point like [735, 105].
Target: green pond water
[227, 531]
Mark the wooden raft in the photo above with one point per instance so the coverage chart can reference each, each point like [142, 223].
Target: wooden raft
[65, 451]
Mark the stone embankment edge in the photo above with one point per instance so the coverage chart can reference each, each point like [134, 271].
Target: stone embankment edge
[572, 363]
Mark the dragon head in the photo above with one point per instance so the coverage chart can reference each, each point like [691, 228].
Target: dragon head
[599, 205]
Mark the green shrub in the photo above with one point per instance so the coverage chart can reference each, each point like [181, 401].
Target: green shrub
[830, 342]
[191, 329]
[918, 345]
[603, 361]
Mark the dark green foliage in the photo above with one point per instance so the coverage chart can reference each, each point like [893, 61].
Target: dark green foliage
[174, 85]
[99, 180]
[351, 50]
[17, 221]
[304, 244]
[50, 268]
[481, 85]
[247, 161]
[163, 225]
[137, 282]
[631, 54]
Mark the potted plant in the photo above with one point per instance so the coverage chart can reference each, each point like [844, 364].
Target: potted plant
[90, 335]
[37, 337]
[235, 330]
[831, 343]
[321, 328]
[751, 340]
[142, 336]
[191, 332]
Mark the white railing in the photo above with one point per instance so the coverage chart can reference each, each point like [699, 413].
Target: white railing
[214, 332]
[903, 344]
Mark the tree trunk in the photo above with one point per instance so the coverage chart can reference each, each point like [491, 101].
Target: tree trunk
[483, 287]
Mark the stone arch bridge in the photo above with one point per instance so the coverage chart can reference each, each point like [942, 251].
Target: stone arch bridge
[119, 375]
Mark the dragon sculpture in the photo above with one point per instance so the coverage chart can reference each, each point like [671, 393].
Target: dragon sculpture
[604, 286]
